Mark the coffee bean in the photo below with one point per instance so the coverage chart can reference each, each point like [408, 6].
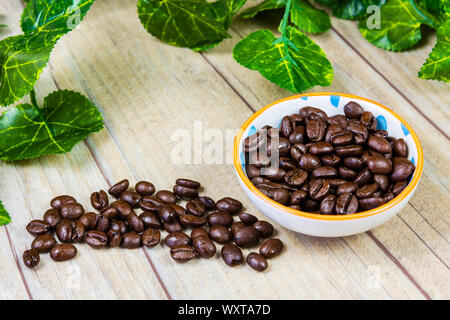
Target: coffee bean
[60, 201]
[182, 254]
[324, 172]
[348, 187]
[120, 187]
[220, 234]
[185, 192]
[400, 148]
[379, 144]
[286, 126]
[190, 221]
[145, 188]
[119, 226]
[363, 177]
[398, 187]
[353, 110]
[135, 224]
[257, 261]
[319, 189]
[349, 151]
[114, 238]
[72, 211]
[331, 160]
[320, 148]
[173, 226]
[188, 183]
[309, 162]
[196, 208]
[371, 203]
[38, 227]
[247, 218]
[151, 237]
[99, 200]
[31, 258]
[150, 204]
[231, 255]
[379, 165]
[236, 226]
[167, 213]
[179, 210]
[382, 181]
[166, 196]
[199, 232]
[315, 129]
[230, 205]
[96, 239]
[220, 218]
[150, 220]
[247, 237]
[43, 243]
[103, 224]
[264, 227]
[402, 169]
[346, 203]
[131, 240]
[111, 211]
[52, 217]
[367, 190]
[204, 246]
[279, 194]
[131, 197]
[207, 202]
[327, 206]
[63, 252]
[64, 230]
[296, 177]
[89, 220]
[78, 231]
[271, 248]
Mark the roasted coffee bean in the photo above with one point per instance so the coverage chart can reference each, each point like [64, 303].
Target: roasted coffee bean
[63, 252]
[327, 205]
[188, 183]
[379, 165]
[248, 236]
[257, 261]
[295, 177]
[38, 227]
[185, 192]
[348, 187]
[117, 189]
[297, 135]
[119, 226]
[265, 228]
[388, 197]
[220, 234]
[131, 197]
[177, 239]
[346, 203]
[111, 211]
[273, 174]
[72, 211]
[60, 201]
[398, 187]
[31, 258]
[297, 197]
[319, 189]
[52, 217]
[103, 224]
[78, 231]
[367, 190]
[353, 110]
[135, 224]
[297, 151]
[286, 126]
[280, 194]
[229, 205]
[336, 182]
[64, 230]
[150, 204]
[236, 226]
[286, 163]
[320, 148]
[331, 160]
[307, 111]
[209, 203]
[349, 151]
[204, 247]
[282, 145]
[271, 248]
[173, 226]
[247, 218]
[325, 172]
[259, 159]
[220, 218]
[89, 220]
[151, 237]
[114, 238]
[255, 141]
[382, 181]
[182, 254]
[99, 200]
[231, 255]
[167, 213]
[363, 177]
[150, 220]
[402, 169]
[131, 240]
[96, 239]
[369, 120]
[196, 208]
[400, 148]
[179, 210]
[166, 196]
[145, 188]
[191, 221]
[347, 173]
[338, 119]
[379, 144]
[43, 243]
[199, 232]
[315, 129]
[359, 131]
[342, 138]
[309, 162]
[310, 205]
[371, 203]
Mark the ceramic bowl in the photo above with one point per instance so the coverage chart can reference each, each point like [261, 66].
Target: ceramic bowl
[318, 224]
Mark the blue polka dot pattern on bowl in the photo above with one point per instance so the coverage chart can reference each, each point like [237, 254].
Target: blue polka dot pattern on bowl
[335, 100]
[381, 123]
[405, 130]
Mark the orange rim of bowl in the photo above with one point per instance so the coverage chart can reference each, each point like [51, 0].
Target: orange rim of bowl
[411, 185]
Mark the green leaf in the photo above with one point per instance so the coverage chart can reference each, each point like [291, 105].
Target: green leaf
[350, 9]
[3, 26]
[196, 24]
[66, 118]
[305, 16]
[4, 216]
[400, 26]
[23, 57]
[437, 66]
[295, 63]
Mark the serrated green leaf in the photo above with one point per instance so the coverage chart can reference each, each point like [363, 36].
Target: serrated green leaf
[350, 9]
[400, 26]
[305, 16]
[4, 216]
[437, 66]
[66, 118]
[295, 63]
[195, 24]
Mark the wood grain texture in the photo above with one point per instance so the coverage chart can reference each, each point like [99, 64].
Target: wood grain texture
[147, 91]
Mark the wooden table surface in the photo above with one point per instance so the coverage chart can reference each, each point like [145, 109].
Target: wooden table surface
[146, 90]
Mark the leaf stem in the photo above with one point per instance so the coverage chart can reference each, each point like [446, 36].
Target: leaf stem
[284, 22]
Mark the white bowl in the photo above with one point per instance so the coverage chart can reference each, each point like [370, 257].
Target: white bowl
[318, 224]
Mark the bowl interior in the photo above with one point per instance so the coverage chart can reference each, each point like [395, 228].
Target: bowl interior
[332, 104]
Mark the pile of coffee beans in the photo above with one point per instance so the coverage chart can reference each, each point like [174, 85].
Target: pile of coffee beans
[117, 224]
[334, 165]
